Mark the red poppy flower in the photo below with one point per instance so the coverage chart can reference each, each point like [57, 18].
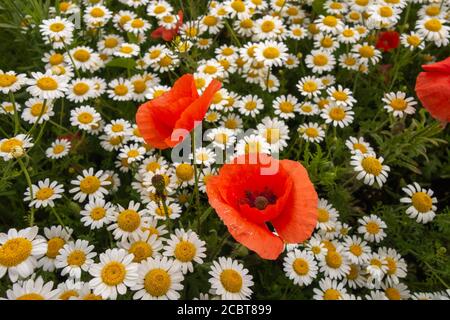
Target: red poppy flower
[179, 108]
[248, 201]
[433, 89]
[168, 34]
[388, 40]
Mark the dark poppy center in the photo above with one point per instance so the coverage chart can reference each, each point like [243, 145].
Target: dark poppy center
[259, 200]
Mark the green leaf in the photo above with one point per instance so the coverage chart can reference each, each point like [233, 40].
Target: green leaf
[125, 63]
[318, 7]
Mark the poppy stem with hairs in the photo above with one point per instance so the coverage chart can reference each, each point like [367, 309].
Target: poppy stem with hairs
[197, 196]
[166, 212]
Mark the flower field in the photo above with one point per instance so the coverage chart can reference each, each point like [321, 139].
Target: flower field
[238, 149]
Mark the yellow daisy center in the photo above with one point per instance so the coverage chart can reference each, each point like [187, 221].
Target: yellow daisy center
[111, 43]
[372, 227]
[392, 294]
[366, 51]
[15, 251]
[272, 135]
[422, 202]
[356, 249]
[210, 21]
[9, 145]
[66, 295]
[129, 220]
[392, 266]
[301, 266]
[185, 251]
[81, 55]
[323, 215]
[372, 165]
[157, 282]
[271, 53]
[320, 60]
[333, 259]
[231, 280]
[185, 172]
[57, 27]
[56, 59]
[386, 11]
[85, 118]
[238, 6]
[398, 104]
[97, 213]
[117, 127]
[97, 13]
[47, 83]
[330, 21]
[360, 147]
[267, 26]
[76, 258]
[141, 250]
[80, 88]
[37, 109]
[331, 294]
[113, 273]
[340, 95]
[137, 23]
[44, 193]
[31, 296]
[337, 114]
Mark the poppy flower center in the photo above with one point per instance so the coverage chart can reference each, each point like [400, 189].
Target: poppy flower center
[157, 282]
[260, 200]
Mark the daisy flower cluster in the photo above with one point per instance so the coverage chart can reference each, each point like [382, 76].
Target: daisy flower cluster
[103, 214]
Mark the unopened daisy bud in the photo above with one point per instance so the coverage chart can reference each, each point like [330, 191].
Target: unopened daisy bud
[299, 55]
[159, 183]
[71, 170]
[241, 251]
[398, 128]
[442, 251]
[17, 152]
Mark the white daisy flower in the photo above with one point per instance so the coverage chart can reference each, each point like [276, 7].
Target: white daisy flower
[97, 213]
[46, 85]
[330, 290]
[19, 251]
[356, 249]
[358, 146]
[300, 267]
[370, 168]
[10, 81]
[14, 147]
[85, 59]
[159, 212]
[118, 128]
[75, 257]
[90, 185]
[85, 118]
[142, 245]
[422, 203]
[335, 265]
[80, 90]
[310, 86]
[399, 104]
[58, 149]
[158, 279]
[230, 279]
[128, 222]
[286, 106]
[252, 144]
[33, 289]
[186, 247]
[113, 274]
[203, 156]
[37, 110]
[44, 193]
[372, 228]
[57, 237]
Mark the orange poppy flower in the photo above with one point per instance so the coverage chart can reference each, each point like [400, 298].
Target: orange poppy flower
[252, 204]
[433, 89]
[179, 108]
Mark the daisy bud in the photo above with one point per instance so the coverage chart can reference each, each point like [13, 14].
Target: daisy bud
[17, 152]
[159, 183]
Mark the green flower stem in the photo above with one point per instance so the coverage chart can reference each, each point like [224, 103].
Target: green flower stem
[16, 114]
[27, 177]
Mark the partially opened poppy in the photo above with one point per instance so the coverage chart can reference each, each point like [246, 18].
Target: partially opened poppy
[433, 89]
[178, 108]
[253, 204]
[168, 34]
[388, 40]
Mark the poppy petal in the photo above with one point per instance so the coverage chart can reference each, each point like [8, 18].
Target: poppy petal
[256, 237]
[298, 220]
